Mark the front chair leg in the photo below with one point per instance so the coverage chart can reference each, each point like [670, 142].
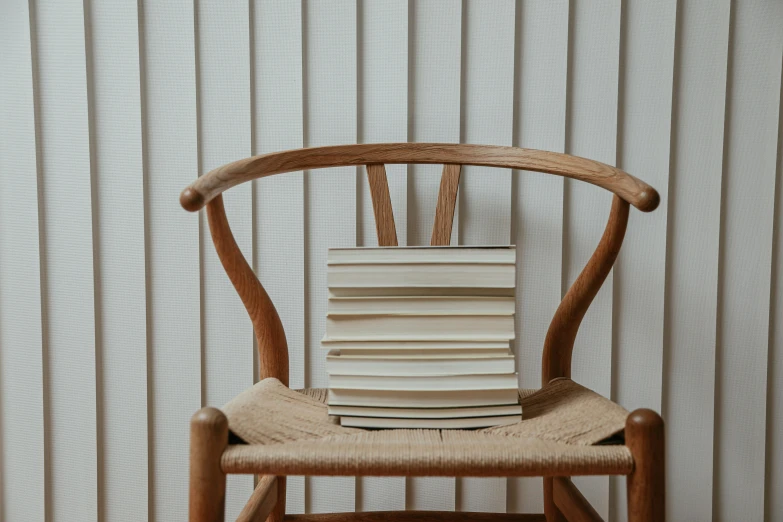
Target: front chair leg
[208, 440]
[646, 484]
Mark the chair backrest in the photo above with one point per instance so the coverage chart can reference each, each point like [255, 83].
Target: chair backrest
[559, 342]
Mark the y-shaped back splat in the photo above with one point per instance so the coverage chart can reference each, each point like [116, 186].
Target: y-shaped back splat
[384, 216]
[382, 205]
[447, 201]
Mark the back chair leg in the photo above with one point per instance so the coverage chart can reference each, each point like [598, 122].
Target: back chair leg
[208, 440]
[551, 511]
[646, 485]
[278, 513]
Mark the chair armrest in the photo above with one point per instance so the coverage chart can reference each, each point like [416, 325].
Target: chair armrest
[634, 191]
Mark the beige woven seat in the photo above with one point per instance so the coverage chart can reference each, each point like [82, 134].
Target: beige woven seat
[566, 429]
[288, 432]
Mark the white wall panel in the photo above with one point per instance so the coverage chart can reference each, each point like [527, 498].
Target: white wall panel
[117, 322]
[120, 278]
[22, 491]
[383, 103]
[224, 136]
[383, 117]
[435, 51]
[753, 92]
[485, 199]
[174, 311]
[67, 261]
[537, 207]
[592, 133]
[330, 119]
[692, 258]
[774, 443]
[644, 134]
[434, 116]
[279, 200]
[647, 67]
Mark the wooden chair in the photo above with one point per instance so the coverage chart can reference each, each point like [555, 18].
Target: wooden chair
[640, 457]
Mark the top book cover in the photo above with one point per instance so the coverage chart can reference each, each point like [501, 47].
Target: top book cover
[422, 270]
[501, 255]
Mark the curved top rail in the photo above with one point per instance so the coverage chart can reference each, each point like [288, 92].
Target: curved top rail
[205, 188]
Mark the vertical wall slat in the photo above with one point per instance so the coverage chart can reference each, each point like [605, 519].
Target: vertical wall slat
[223, 44]
[644, 142]
[537, 213]
[485, 201]
[171, 147]
[592, 133]
[121, 333]
[692, 256]
[22, 494]
[646, 82]
[435, 54]
[383, 103]
[435, 65]
[279, 200]
[753, 94]
[330, 119]
[774, 443]
[67, 253]
[383, 117]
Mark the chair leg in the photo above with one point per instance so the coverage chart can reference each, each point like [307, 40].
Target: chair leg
[551, 511]
[208, 439]
[646, 485]
[278, 513]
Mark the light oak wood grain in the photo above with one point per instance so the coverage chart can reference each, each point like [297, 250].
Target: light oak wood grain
[208, 439]
[447, 202]
[559, 342]
[272, 346]
[552, 512]
[382, 205]
[629, 188]
[262, 501]
[572, 504]
[644, 436]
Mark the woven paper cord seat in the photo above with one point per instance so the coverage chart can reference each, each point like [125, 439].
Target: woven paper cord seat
[288, 432]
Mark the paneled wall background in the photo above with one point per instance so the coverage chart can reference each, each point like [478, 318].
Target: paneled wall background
[117, 322]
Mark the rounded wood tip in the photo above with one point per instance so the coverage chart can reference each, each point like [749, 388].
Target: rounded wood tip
[649, 200]
[191, 200]
[644, 417]
[209, 417]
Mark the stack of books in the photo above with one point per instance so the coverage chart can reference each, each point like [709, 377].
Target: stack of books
[419, 337]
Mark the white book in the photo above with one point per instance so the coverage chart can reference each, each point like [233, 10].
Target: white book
[422, 254]
[426, 413]
[420, 304]
[423, 275]
[414, 345]
[425, 382]
[419, 327]
[459, 354]
[439, 424]
[337, 364]
[423, 399]
[419, 291]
